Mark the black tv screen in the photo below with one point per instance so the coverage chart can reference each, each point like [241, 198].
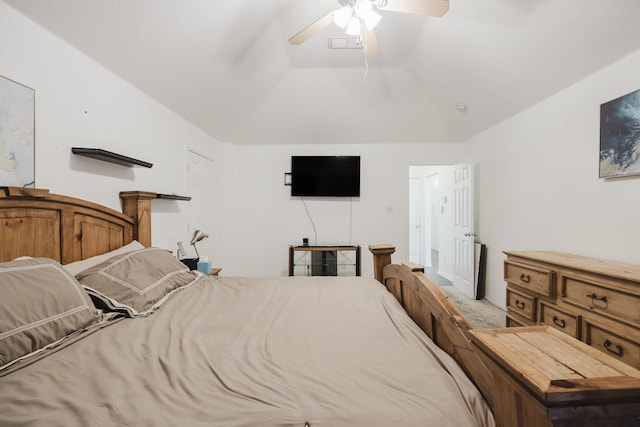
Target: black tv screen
[325, 176]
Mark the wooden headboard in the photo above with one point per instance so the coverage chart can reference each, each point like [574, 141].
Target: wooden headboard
[40, 224]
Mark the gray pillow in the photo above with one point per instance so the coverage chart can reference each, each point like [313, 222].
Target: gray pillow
[137, 282]
[78, 266]
[40, 305]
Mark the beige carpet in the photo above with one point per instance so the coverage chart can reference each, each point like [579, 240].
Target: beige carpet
[481, 314]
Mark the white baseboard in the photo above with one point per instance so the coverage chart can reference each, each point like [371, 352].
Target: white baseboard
[447, 276]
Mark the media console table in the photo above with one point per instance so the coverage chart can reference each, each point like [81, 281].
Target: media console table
[324, 260]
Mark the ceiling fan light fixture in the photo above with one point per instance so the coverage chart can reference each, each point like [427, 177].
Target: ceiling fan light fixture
[359, 17]
[350, 16]
[363, 7]
[353, 27]
[364, 10]
[341, 16]
[372, 20]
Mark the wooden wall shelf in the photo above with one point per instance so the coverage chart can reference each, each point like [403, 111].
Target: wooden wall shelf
[108, 156]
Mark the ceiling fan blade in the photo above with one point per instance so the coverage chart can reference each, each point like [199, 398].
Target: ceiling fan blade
[311, 29]
[371, 48]
[417, 7]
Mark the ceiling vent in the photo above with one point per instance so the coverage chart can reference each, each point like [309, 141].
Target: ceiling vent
[345, 43]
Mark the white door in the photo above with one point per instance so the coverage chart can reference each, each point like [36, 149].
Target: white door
[463, 230]
[201, 206]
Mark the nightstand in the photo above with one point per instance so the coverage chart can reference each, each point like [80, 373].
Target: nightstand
[545, 378]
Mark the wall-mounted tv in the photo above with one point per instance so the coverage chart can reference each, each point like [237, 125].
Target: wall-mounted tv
[325, 176]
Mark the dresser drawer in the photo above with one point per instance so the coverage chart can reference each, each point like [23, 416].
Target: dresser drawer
[536, 279]
[522, 304]
[513, 322]
[615, 304]
[560, 319]
[601, 337]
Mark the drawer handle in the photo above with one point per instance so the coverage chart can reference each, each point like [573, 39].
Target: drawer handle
[596, 297]
[525, 278]
[559, 322]
[519, 304]
[618, 351]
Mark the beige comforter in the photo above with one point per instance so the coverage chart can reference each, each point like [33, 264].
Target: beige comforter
[251, 352]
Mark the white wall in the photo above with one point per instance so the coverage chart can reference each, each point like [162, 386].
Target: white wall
[266, 219]
[80, 103]
[537, 179]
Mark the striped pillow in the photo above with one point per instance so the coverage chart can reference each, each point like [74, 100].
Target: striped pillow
[137, 282]
[40, 305]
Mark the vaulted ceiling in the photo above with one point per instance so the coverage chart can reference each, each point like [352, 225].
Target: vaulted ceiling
[227, 67]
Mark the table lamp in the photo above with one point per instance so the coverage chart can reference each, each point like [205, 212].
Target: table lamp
[198, 235]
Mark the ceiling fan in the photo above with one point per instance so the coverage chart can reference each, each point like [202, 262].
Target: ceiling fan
[359, 18]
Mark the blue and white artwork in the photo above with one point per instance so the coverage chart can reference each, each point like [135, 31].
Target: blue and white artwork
[620, 136]
[17, 142]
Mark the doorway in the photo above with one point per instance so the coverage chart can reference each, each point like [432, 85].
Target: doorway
[441, 224]
[430, 221]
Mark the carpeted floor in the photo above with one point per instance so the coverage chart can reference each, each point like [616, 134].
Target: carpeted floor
[480, 313]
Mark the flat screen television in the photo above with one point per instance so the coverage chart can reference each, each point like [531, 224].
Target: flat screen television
[325, 176]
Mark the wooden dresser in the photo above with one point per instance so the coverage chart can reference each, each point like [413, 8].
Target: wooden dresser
[593, 300]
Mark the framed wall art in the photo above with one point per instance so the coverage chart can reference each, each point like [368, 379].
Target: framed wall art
[17, 134]
[620, 136]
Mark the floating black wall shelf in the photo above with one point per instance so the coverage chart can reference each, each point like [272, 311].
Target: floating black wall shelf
[108, 156]
[172, 197]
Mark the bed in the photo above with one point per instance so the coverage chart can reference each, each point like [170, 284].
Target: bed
[99, 328]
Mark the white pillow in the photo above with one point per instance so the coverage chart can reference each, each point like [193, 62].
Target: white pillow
[78, 266]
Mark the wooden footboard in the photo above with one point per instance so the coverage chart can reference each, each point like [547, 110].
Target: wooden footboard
[530, 376]
[434, 313]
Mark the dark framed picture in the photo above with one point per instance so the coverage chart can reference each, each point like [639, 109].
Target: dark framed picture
[620, 136]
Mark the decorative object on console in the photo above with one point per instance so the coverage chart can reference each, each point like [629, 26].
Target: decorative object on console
[17, 130]
[204, 265]
[620, 136]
